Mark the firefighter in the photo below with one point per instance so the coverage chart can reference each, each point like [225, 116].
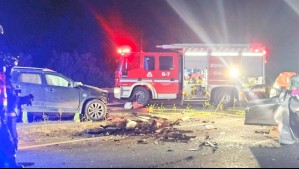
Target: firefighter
[8, 134]
[8, 147]
[9, 115]
[10, 104]
[12, 111]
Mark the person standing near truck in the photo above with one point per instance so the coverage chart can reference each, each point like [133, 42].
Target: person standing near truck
[10, 105]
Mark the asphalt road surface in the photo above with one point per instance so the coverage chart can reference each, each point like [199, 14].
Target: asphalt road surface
[221, 140]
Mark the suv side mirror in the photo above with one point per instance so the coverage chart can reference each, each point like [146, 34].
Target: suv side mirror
[76, 84]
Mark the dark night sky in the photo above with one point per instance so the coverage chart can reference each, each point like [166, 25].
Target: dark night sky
[37, 27]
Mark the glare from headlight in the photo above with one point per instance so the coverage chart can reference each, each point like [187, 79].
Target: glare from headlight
[234, 72]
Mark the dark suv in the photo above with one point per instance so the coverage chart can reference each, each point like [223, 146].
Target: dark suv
[55, 94]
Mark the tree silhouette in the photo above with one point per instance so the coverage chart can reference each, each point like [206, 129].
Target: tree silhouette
[25, 60]
[86, 68]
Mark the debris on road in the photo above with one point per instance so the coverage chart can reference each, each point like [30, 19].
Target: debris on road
[157, 127]
[274, 132]
[189, 158]
[210, 127]
[206, 143]
[193, 149]
[142, 141]
[133, 105]
[175, 135]
[262, 131]
[185, 118]
[128, 105]
[130, 125]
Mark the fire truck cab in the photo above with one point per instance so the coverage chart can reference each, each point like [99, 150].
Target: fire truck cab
[148, 75]
[218, 73]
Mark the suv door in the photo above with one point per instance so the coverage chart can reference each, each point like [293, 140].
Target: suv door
[60, 94]
[261, 112]
[31, 83]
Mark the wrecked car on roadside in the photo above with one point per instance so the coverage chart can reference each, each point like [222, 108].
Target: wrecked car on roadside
[281, 110]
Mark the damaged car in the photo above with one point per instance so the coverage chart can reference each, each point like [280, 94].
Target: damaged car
[57, 95]
[280, 110]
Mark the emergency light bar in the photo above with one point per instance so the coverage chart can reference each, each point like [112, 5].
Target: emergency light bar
[124, 50]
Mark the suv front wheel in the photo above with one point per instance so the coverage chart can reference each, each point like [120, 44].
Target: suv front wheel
[95, 110]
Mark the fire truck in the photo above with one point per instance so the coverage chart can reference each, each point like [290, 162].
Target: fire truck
[216, 73]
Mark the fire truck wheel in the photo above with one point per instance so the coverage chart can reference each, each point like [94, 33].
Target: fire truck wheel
[141, 95]
[225, 96]
[95, 110]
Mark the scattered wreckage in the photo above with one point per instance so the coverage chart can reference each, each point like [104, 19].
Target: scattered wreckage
[281, 110]
[157, 127]
[160, 129]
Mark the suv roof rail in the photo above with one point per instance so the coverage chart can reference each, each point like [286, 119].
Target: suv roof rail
[34, 68]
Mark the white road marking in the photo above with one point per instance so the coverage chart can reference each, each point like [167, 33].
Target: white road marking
[57, 143]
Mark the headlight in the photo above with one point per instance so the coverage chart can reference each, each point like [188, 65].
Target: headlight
[234, 72]
[117, 90]
[273, 92]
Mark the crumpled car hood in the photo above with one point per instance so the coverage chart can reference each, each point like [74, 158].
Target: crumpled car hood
[95, 91]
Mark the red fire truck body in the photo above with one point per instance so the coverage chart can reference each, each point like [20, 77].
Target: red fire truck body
[194, 72]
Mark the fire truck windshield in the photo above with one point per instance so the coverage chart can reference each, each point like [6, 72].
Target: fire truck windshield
[122, 66]
[128, 63]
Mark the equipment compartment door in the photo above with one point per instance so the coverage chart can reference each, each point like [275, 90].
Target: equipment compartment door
[195, 78]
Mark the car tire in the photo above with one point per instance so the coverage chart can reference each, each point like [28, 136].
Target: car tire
[141, 95]
[95, 110]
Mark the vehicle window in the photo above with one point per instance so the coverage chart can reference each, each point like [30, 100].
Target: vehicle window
[54, 80]
[30, 78]
[134, 62]
[166, 63]
[149, 63]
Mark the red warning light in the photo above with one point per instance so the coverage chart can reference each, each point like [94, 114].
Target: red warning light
[124, 50]
[257, 48]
